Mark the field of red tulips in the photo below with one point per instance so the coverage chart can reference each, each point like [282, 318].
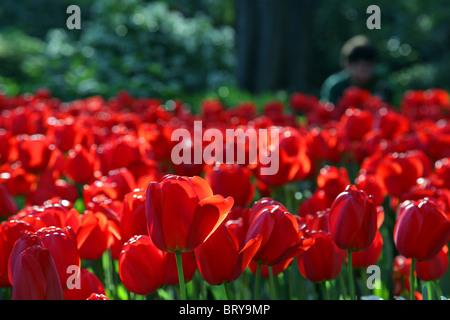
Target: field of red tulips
[94, 207]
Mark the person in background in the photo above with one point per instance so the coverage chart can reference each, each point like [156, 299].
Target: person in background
[358, 61]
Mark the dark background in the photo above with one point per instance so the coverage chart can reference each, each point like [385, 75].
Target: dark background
[231, 49]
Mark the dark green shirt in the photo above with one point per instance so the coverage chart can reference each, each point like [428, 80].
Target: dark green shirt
[335, 85]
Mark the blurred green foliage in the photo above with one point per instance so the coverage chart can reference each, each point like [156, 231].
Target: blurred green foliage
[175, 48]
[144, 47]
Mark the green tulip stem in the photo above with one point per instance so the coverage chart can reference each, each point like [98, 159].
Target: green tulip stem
[350, 275]
[412, 280]
[257, 280]
[273, 288]
[180, 275]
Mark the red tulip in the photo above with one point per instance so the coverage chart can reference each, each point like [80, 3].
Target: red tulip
[323, 261]
[290, 152]
[25, 240]
[79, 165]
[97, 296]
[421, 230]
[18, 180]
[370, 256]
[133, 220]
[8, 206]
[221, 258]
[35, 276]
[62, 245]
[88, 284]
[34, 152]
[142, 266]
[62, 132]
[354, 97]
[5, 145]
[371, 186]
[333, 180]
[356, 123]
[353, 220]
[435, 268]
[390, 124]
[281, 236]
[93, 236]
[397, 173]
[182, 212]
[232, 180]
[442, 170]
[10, 231]
[319, 201]
[54, 212]
[115, 185]
[302, 102]
[128, 150]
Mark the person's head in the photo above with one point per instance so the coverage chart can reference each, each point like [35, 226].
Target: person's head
[358, 57]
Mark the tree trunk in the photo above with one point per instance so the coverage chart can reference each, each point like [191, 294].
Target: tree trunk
[273, 44]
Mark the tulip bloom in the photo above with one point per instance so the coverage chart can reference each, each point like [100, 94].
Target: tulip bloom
[232, 180]
[323, 261]
[132, 219]
[142, 266]
[281, 236]
[370, 256]
[353, 224]
[397, 173]
[62, 245]
[10, 231]
[319, 201]
[79, 165]
[421, 230]
[221, 258]
[370, 185]
[290, 152]
[442, 170]
[356, 123]
[182, 212]
[97, 296]
[25, 240]
[34, 152]
[333, 180]
[435, 268]
[93, 236]
[35, 276]
[7, 205]
[88, 284]
[353, 220]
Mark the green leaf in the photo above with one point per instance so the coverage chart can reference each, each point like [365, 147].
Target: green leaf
[79, 205]
[425, 292]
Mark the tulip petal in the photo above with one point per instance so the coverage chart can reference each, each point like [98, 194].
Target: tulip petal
[154, 212]
[246, 255]
[209, 214]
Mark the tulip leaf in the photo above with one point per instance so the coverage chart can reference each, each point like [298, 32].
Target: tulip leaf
[164, 294]
[79, 205]
[425, 292]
